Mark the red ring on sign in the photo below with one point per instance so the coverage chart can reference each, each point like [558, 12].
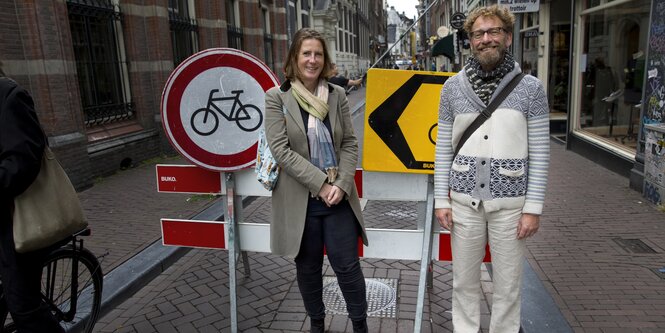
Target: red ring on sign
[175, 87]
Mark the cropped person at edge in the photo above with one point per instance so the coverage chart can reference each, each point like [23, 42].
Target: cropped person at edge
[494, 189]
[315, 202]
[22, 145]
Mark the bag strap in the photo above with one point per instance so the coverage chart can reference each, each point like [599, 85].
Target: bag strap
[487, 113]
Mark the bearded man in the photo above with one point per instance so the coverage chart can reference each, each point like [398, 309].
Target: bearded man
[493, 189]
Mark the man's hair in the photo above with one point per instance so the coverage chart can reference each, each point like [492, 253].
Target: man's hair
[501, 12]
[1, 72]
[291, 65]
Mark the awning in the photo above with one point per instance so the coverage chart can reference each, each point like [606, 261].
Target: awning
[444, 47]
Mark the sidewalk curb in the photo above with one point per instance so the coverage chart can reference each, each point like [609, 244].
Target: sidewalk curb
[132, 275]
[539, 311]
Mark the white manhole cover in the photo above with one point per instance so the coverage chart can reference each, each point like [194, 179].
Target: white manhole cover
[381, 297]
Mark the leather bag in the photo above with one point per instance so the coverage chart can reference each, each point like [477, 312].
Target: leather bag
[49, 210]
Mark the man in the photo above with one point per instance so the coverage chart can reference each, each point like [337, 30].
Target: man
[22, 144]
[342, 81]
[495, 187]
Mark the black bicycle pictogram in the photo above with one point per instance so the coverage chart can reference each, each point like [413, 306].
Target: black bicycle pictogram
[248, 117]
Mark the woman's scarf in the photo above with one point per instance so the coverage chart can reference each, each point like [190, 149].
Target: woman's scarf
[321, 150]
[484, 83]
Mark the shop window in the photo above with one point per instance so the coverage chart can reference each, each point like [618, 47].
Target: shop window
[100, 67]
[612, 64]
[184, 30]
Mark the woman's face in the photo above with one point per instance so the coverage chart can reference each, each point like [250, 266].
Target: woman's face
[310, 62]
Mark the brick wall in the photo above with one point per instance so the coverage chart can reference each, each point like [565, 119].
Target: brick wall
[36, 48]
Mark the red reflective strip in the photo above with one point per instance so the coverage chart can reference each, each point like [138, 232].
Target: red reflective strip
[446, 252]
[187, 179]
[359, 181]
[361, 248]
[193, 234]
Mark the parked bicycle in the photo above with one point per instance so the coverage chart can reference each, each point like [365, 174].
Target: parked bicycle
[248, 117]
[72, 283]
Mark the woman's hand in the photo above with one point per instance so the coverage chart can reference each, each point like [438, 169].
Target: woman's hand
[331, 194]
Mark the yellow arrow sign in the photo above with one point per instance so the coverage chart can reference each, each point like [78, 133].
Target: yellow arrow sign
[401, 116]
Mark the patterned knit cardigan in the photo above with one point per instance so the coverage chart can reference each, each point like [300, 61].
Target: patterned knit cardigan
[504, 163]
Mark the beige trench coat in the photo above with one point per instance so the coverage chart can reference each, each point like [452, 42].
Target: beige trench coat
[287, 138]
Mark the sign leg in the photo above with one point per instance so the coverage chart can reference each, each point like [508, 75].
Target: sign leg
[232, 237]
[426, 256]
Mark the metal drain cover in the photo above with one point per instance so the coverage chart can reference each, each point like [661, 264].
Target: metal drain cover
[634, 245]
[381, 297]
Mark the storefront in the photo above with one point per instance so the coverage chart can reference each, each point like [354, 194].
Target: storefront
[542, 48]
[610, 45]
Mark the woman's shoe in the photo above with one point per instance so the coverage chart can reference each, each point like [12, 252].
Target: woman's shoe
[359, 326]
[317, 325]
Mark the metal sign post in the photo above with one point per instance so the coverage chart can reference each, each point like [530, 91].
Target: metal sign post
[231, 220]
[426, 255]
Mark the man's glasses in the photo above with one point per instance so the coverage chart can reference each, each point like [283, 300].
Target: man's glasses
[492, 32]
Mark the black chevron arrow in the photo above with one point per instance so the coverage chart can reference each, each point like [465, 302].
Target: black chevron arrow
[383, 120]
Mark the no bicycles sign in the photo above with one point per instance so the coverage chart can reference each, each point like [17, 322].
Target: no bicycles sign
[213, 107]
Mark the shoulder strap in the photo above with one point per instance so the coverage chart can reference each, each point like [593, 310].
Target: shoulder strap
[487, 113]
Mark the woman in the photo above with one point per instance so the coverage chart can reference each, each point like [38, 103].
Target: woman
[22, 144]
[315, 202]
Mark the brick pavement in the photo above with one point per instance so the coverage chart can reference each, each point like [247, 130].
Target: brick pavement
[597, 284]
[193, 295]
[123, 211]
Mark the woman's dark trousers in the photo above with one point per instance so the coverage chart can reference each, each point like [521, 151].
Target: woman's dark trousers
[338, 230]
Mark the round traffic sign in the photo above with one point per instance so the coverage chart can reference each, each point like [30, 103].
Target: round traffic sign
[457, 20]
[213, 107]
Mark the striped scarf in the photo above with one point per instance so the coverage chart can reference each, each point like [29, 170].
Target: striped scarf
[484, 83]
[321, 150]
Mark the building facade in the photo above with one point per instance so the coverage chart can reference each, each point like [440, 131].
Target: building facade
[96, 68]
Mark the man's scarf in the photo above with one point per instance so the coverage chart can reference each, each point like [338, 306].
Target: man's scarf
[484, 83]
[321, 150]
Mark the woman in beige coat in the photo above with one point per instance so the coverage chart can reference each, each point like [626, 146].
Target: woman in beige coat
[315, 202]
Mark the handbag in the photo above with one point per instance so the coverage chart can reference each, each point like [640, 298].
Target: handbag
[267, 169]
[487, 113]
[49, 210]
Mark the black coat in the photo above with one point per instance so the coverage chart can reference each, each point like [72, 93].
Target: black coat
[22, 143]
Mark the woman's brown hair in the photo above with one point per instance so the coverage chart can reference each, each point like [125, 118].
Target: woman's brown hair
[291, 65]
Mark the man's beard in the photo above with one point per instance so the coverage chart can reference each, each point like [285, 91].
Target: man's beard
[492, 58]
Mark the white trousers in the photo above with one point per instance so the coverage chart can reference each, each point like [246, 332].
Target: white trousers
[470, 232]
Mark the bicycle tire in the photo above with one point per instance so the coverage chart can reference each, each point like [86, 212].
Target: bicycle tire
[57, 292]
[247, 118]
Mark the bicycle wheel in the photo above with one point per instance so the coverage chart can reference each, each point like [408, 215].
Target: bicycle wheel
[72, 283]
[249, 118]
[59, 289]
[200, 123]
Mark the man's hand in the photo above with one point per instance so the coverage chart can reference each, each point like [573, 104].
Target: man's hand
[528, 225]
[445, 217]
[355, 83]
